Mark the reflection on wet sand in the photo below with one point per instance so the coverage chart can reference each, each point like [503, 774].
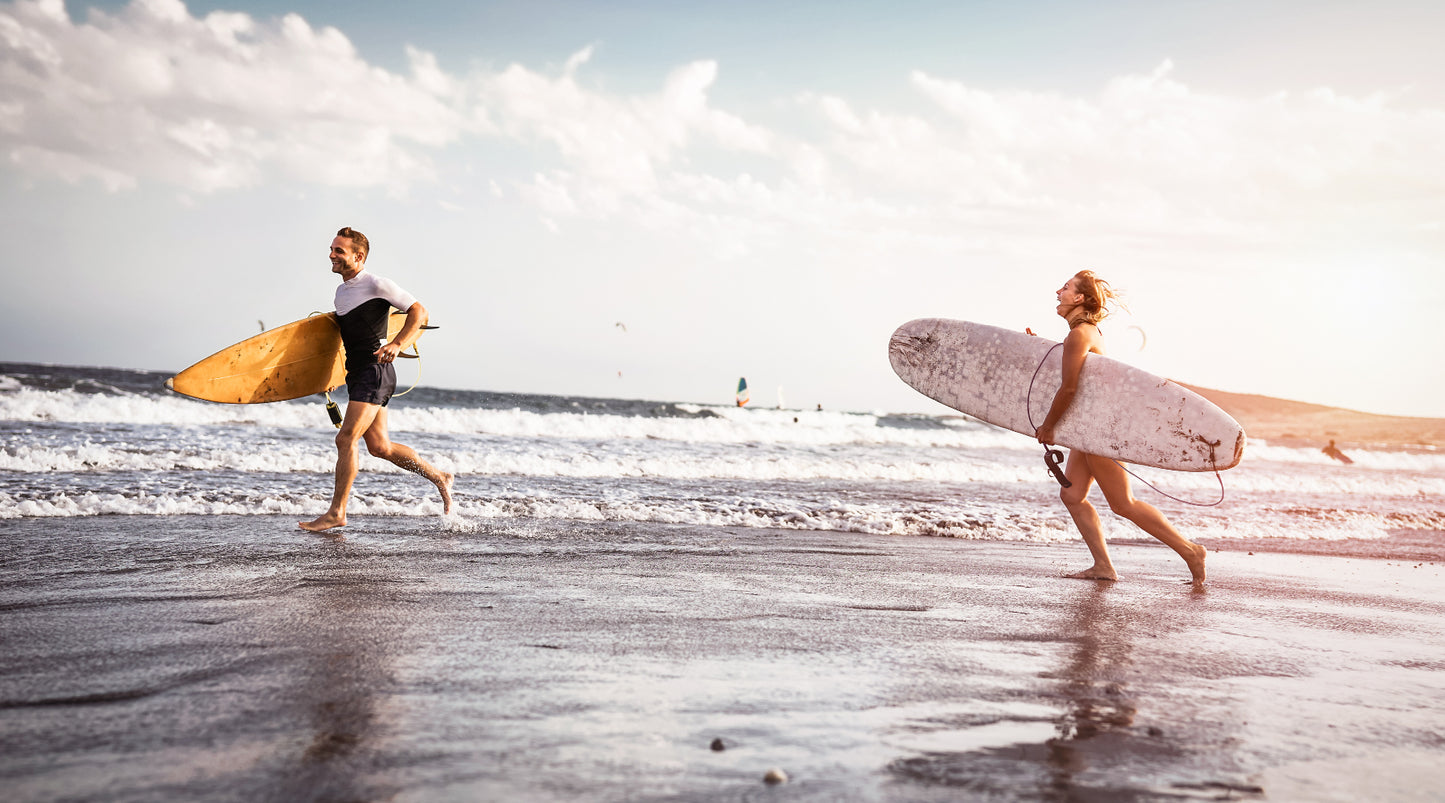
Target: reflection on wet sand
[347, 644]
[1097, 751]
[1097, 697]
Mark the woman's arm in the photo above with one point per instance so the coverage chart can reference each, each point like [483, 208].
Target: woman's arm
[1076, 347]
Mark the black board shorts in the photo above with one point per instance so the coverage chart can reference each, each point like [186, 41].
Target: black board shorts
[372, 384]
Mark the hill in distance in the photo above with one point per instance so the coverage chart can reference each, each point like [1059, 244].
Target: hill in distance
[1292, 423]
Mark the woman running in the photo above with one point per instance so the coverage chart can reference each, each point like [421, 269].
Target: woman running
[1083, 302]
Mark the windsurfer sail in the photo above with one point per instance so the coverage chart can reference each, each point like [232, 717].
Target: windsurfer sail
[742, 391]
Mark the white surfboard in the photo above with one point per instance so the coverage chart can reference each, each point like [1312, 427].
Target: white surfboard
[1119, 411]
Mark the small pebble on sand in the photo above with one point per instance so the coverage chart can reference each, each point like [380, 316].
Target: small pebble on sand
[775, 775]
[717, 745]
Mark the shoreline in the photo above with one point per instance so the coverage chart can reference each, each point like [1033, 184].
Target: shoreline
[1427, 546]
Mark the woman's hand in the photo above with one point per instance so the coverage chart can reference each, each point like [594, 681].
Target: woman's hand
[1045, 434]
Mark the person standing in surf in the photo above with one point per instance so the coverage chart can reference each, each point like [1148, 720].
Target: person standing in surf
[1083, 301]
[363, 305]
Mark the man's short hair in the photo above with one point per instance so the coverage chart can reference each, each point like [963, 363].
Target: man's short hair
[358, 240]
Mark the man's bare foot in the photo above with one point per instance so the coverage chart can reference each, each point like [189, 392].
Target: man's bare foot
[1094, 573]
[1196, 562]
[326, 522]
[445, 486]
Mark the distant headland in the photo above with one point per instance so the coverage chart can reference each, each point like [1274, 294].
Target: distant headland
[1291, 423]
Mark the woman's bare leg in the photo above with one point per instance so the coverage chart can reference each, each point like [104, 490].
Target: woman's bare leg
[1114, 482]
[1086, 518]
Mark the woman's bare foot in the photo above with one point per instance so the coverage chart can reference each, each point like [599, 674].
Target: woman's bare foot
[1196, 561]
[445, 486]
[326, 522]
[1094, 573]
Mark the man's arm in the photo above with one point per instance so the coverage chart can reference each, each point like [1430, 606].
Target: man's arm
[416, 318]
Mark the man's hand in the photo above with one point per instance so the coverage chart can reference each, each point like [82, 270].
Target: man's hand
[387, 353]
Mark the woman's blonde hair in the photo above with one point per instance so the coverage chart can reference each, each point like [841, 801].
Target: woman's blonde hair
[1099, 298]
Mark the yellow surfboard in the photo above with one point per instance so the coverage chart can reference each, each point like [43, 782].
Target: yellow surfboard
[298, 359]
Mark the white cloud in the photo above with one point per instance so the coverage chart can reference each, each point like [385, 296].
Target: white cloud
[618, 144]
[70, 168]
[1150, 150]
[154, 94]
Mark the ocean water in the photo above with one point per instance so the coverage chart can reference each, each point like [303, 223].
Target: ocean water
[83, 442]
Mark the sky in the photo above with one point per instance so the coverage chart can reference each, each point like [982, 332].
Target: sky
[652, 199]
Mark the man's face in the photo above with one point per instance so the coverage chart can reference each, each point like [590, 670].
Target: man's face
[344, 258]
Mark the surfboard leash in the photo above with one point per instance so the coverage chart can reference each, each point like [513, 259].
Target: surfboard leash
[416, 355]
[1053, 457]
[1156, 490]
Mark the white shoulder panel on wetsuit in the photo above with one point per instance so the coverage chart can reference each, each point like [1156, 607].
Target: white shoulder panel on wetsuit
[365, 286]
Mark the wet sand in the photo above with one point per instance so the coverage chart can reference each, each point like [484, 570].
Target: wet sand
[236, 658]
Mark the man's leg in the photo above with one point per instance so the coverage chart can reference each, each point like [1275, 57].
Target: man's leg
[379, 444]
[360, 417]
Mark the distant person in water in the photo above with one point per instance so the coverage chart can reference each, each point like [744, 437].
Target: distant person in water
[363, 306]
[1083, 301]
[1336, 453]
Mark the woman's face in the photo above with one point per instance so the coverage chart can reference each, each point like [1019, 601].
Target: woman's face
[1069, 296]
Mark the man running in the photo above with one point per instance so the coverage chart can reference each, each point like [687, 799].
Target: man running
[363, 305]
